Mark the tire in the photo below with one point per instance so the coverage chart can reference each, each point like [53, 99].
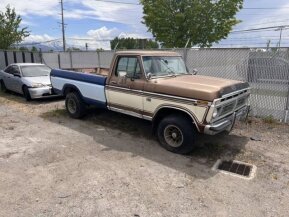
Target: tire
[26, 94]
[2, 86]
[75, 106]
[177, 134]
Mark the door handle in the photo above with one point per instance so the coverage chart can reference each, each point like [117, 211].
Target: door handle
[113, 82]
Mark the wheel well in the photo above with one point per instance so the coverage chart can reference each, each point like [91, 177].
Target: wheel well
[164, 112]
[24, 85]
[69, 89]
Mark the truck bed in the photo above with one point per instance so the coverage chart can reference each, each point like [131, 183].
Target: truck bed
[90, 86]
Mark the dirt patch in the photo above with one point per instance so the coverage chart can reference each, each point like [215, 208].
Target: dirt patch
[109, 164]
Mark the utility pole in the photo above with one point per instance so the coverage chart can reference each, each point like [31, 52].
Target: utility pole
[281, 32]
[63, 26]
[268, 44]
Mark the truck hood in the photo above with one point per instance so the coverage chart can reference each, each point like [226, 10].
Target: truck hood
[37, 80]
[196, 86]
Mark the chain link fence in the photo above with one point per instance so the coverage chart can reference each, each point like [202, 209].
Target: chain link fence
[266, 71]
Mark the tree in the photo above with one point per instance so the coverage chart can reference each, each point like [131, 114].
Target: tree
[201, 22]
[34, 49]
[10, 31]
[132, 43]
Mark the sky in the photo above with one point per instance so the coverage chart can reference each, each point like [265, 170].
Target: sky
[96, 22]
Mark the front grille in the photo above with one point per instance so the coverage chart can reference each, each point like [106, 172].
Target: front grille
[241, 102]
[228, 108]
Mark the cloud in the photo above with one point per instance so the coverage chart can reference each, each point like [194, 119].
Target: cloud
[94, 38]
[32, 7]
[103, 33]
[38, 38]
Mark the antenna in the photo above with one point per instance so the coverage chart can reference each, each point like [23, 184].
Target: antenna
[63, 26]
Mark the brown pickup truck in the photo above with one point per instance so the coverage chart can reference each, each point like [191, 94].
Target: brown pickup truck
[157, 86]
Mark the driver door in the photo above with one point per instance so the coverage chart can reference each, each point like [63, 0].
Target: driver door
[16, 83]
[125, 89]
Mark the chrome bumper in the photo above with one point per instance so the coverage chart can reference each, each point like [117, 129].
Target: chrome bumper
[226, 124]
[41, 92]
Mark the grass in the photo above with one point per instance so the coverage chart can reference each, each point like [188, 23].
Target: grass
[55, 113]
[269, 120]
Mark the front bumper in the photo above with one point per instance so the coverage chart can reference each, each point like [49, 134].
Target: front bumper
[227, 123]
[41, 92]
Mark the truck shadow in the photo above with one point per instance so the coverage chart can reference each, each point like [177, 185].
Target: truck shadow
[123, 133]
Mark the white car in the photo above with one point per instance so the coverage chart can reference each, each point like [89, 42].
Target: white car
[30, 79]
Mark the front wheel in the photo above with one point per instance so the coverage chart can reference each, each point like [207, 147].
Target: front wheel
[2, 86]
[74, 105]
[26, 93]
[177, 134]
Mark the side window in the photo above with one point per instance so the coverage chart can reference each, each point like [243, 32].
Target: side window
[129, 67]
[15, 70]
[8, 70]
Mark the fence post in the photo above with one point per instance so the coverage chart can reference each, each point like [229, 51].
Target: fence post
[98, 59]
[185, 51]
[40, 55]
[59, 63]
[70, 57]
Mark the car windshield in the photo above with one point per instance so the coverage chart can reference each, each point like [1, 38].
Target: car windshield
[35, 71]
[159, 66]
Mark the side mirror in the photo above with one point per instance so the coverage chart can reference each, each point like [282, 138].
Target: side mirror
[194, 72]
[149, 76]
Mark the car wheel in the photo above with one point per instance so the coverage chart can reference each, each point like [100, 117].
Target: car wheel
[26, 93]
[2, 86]
[75, 106]
[177, 134]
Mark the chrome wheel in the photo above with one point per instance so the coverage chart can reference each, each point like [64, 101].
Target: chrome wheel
[173, 136]
[71, 106]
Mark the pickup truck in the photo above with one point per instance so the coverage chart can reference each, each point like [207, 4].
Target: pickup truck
[157, 86]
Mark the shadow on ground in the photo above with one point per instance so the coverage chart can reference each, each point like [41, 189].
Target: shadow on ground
[133, 135]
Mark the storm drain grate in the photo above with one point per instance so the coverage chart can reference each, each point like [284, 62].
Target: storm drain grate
[237, 168]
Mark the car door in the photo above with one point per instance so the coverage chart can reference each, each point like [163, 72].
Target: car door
[125, 87]
[7, 75]
[16, 82]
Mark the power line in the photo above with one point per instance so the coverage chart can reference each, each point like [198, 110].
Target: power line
[245, 8]
[117, 2]
[260, 29]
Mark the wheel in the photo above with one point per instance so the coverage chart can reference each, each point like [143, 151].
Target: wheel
[75, 106]
[177, 134]
[26, 93]
[2, 86]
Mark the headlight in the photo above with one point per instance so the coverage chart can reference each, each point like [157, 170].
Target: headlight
[35, 85]
[216, 112]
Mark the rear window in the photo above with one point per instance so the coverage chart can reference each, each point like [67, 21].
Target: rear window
[35, 71]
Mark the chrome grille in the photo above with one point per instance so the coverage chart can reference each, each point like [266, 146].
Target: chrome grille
[228, 108]
[241, 102]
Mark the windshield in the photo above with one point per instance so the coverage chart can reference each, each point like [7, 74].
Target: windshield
[35, 71]
[164, 66]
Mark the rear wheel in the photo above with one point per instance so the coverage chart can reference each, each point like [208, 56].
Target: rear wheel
[26, 93]
[2, 86]
[74, 105]
[177, 134]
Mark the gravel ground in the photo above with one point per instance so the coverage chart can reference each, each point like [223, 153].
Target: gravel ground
[109, 165]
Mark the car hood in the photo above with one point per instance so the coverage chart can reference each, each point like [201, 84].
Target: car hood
[195, 86]
[39, 80]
